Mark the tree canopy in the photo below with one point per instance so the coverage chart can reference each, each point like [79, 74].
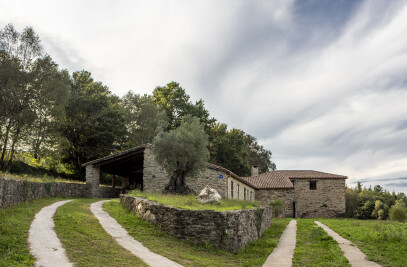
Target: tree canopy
[182, 151]
[52, 117]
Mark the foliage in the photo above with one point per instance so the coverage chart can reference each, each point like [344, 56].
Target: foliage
[32, 92]
[384, 242]
[144, 119]
[238, 151]
[277, 205]
[65, 120]
[368, 203]
[182, 151]
[94, 122]
[189, 202]
[173, 99]
[315, 247]
[398, 212]
[189, 254]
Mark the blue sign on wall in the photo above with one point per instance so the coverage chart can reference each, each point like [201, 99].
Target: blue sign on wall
[220, 176]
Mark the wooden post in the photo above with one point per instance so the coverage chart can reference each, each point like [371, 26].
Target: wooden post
[114, 181]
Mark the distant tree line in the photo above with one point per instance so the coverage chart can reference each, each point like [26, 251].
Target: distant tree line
[52, 116]
[376, 203]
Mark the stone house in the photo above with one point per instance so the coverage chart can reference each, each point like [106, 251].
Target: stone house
[305, 194]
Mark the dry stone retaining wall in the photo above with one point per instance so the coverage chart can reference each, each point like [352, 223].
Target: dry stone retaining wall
[13, 192]
[228, 230]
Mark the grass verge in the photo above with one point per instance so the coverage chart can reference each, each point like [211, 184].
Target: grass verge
[39, 179]
[189, 202]
[189, 254]
[14, 226]
[384, 242]
[315, 247]
[85, 241]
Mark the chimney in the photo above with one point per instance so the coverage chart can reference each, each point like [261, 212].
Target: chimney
[255, 170]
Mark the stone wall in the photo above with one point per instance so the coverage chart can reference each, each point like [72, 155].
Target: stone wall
[13, 192]
[239, 190]
[155, 178]
[327, 201]
[265, 196]
[228, 230]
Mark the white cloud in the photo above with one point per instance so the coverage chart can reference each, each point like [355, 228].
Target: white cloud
[318, 100]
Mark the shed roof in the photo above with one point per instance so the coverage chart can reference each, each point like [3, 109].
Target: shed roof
[281, 179]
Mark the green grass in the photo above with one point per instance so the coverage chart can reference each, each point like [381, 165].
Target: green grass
[190, 202]
[38, 179]
[384, 242]
[14, 225]
[315, 248]
[85, 241]
[189, 254]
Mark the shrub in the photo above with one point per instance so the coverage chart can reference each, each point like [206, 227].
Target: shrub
[277, 206]
[398, 211]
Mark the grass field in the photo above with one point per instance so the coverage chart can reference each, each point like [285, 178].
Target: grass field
[315, 247]
[189, 202]
[85, 241]
[87, 244]
[14, 225]
[189, 254]
[384, 242]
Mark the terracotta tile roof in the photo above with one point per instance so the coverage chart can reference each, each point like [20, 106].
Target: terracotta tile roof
[281, 179]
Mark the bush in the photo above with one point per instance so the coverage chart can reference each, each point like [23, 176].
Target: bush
[398, 212]
[277, 207]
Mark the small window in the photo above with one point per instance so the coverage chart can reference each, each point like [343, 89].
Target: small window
[293, 182]
[313, 185]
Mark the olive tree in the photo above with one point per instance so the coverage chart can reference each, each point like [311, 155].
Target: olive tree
[182, 151]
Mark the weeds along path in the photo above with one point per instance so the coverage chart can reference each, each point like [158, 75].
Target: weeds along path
[45, 245]
[283, 254]
[351, 252]
[113, 228]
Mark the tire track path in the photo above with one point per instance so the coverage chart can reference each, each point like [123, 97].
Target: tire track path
[113, 228]
[44, 243]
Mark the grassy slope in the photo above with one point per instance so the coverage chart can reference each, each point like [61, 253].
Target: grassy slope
[315, 248]
[14, 225]
[384, 242]
[85, 241]
[38, 179]
[188, 254]
[189, 202]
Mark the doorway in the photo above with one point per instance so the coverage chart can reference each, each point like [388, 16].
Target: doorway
[294, 209]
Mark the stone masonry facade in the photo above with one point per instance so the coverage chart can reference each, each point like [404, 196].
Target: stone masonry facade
[228, 230]
[327, 200]
[155, 178]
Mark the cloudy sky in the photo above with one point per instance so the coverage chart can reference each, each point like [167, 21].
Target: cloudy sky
[322, 84]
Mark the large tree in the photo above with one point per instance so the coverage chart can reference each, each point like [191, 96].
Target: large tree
[176, 103]
[94, 125]
[144, 119]
[182, 151]
[18, 53]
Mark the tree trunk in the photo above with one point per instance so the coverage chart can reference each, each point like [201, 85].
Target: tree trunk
[15, 140]
[177, 184]
[5, 144]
